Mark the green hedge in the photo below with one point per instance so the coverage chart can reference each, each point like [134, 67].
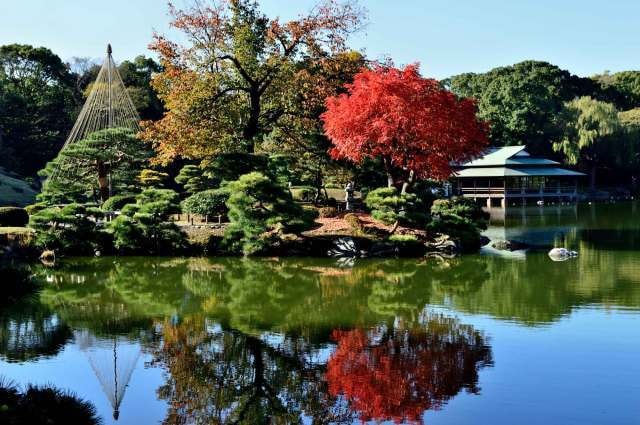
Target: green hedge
[13, 217]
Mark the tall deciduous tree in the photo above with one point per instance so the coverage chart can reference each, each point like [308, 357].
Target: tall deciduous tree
[409, 122]
[585, 124]
[37, 102]
[522, 100]
[231, 83]
[625, 85]
[300, 135]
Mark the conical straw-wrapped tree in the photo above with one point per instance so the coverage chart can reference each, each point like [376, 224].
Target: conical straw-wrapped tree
[101, 143]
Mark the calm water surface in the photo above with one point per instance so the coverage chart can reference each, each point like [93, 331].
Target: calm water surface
[492, 339]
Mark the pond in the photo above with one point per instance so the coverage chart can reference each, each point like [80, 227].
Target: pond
[491, 338]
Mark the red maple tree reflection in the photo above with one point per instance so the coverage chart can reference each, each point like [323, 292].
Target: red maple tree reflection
[397, 374]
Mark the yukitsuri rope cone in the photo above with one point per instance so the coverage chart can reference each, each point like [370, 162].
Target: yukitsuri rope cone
[107, 106]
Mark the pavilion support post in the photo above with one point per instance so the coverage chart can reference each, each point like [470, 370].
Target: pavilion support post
[503, 202]
[489, 202]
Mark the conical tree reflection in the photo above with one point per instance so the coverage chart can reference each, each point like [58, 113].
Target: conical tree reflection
[113, 361]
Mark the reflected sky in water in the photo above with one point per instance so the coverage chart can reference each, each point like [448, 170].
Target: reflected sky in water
[479, 339]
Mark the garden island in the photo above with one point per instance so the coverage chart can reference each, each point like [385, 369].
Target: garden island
[260, 223]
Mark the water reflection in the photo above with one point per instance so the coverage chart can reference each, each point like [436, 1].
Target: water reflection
[398, 373]
[289, 340]
[30, 331]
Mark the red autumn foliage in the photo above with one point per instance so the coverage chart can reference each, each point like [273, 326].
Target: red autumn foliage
[408, 121]
[399, 376]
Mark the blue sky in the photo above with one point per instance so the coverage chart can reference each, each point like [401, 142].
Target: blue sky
[446, 36]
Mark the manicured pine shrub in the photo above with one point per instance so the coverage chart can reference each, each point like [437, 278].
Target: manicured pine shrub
[144, 227]
[303, 193]
[116, 202]
[34, 208]
[394, 208]
[194, 179]
[73, 229]
[355, 224]
[460, 218]
[260, 211]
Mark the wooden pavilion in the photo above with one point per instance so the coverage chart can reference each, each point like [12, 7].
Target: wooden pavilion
[510, 175]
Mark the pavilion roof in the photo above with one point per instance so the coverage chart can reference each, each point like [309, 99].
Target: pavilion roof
[516, 172]
[511, 161]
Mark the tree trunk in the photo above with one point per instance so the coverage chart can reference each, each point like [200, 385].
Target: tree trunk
[408, 183]
[103, 180]
[318, 184]
[394, 228]
[251, 129]
[387, 168]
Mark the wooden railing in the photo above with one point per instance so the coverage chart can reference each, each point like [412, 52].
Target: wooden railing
[523, 191]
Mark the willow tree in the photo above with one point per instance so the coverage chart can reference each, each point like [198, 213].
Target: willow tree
[586, 124]
[234, 79]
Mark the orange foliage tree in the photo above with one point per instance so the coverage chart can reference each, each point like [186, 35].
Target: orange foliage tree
[398, 374]
[235, 78]
[409, 122]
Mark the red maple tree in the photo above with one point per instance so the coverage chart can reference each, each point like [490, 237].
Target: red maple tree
[414, 125]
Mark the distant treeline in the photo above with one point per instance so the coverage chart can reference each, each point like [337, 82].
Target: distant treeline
[526, 103]
[40, 97]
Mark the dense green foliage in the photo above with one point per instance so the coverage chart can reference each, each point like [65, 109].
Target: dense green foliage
[208, 203]
[535, 104]
[37, 103]
[391, 207]
[72, 229]
[194, 179]
[116, 202]
[521, 101]
[624, 86]
[260, 211]
[460, 218]
[106, 161]
[136, 76]
[144, 227]
[13, 217]
[152, 178]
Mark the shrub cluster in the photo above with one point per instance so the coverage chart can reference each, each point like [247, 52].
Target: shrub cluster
[260, 212]
[460, 218]
[355, 224]
[43, 405]
[391, 207]
[208, 203]
[143, 226]
[73, 229]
